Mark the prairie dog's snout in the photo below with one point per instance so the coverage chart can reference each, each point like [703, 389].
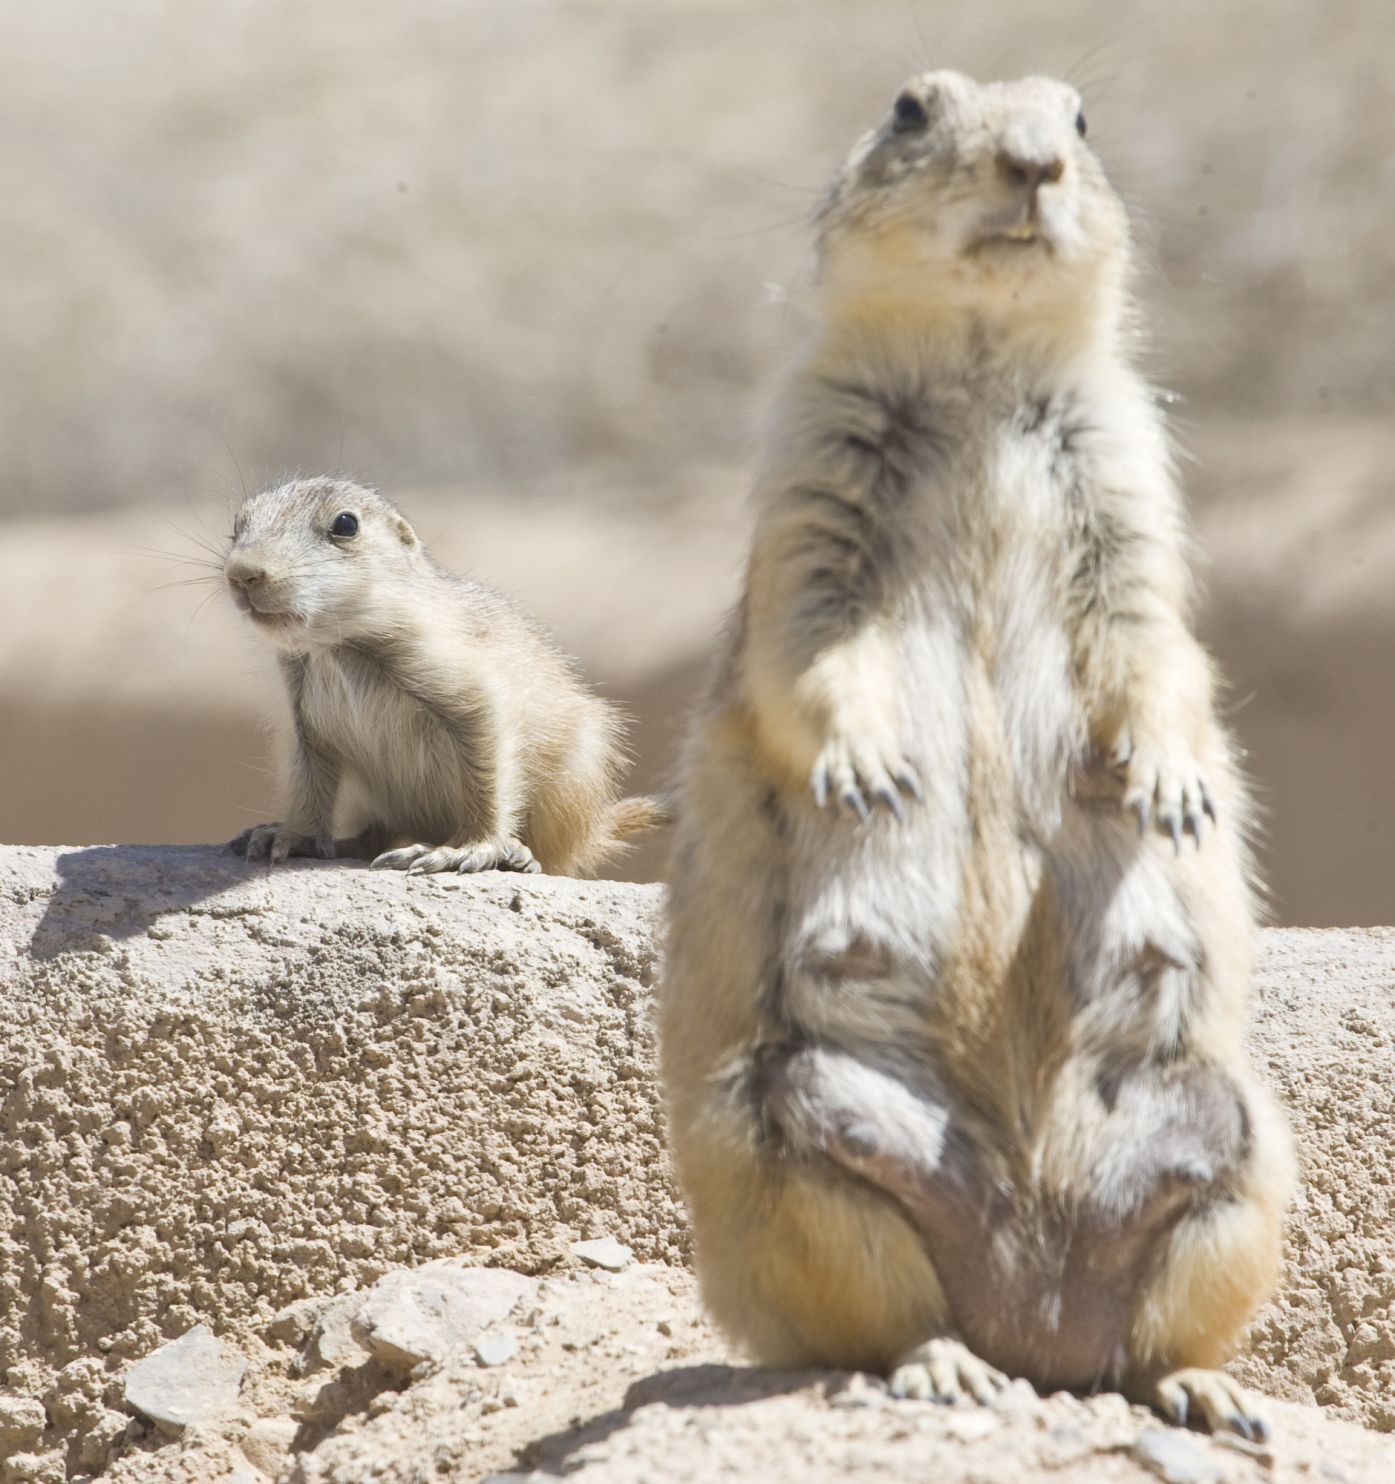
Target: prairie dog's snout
[1030, 155]
[311, 553]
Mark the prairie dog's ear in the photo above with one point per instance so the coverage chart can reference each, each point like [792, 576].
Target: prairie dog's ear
[405, 534]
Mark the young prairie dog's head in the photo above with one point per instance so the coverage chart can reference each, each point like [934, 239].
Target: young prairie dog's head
[311, 561]
[974, 197]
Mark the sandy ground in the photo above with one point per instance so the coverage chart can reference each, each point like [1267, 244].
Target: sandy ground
[618, 1379]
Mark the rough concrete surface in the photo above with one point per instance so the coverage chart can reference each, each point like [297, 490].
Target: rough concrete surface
[255, 1100]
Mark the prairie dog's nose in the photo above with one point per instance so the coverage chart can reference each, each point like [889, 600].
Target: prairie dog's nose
[1030, 153]
[243, 570]
[1029, 172]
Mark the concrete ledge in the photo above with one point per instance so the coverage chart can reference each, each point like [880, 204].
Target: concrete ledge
[224, 1089]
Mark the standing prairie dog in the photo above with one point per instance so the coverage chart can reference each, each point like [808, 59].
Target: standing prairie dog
[961, 917]
[431, 711]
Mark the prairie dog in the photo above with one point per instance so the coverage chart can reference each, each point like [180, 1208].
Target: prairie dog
[446, 725]
[961, 908]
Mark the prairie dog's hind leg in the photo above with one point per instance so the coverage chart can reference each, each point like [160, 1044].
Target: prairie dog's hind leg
[902, 1140]
[1216, 1265]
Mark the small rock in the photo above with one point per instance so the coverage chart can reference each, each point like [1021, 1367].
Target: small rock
[192, 1379]
[1173, 1456]
[1262, 1453]
[496, 1347]
[102, 1435]
[267, 1443]
[35, 1468]
[1065, 1443]
[411, 1318]
[1019, 1395]
[333, 1343]
[665, 1327]
[972, 1426]
[22, 1421]
[604, 1252]
[859, 1391]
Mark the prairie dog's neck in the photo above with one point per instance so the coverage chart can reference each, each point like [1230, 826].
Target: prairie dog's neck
[895, 341]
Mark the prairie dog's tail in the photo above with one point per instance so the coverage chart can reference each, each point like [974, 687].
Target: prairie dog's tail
[640, 813]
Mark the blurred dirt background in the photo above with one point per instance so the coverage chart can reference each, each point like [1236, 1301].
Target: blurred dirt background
[525, 264]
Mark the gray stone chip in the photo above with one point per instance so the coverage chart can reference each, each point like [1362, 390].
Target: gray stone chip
[604, 1252]
[193, 1379]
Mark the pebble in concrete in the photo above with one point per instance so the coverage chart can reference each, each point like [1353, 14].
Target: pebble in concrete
[1175, 1457]
[420, 1315]
[497, 1347]
[604, 1252]
[193, 1379]
[22, 1421]
[268, 1442]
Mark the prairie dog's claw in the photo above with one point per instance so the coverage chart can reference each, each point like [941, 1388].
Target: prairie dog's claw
[275, 843]
[1211, 1402]
[486, 855]
[947, 1371]
[1164, 787]
[854, 773]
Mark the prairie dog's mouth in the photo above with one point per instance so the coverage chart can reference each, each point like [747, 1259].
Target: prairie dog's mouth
[1016, 238]
[270, 620]
[267, 617]
[1010, 229]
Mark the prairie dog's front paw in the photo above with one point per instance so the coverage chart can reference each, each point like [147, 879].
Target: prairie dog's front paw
[277, 842]
[1164, 784]
[855, 770]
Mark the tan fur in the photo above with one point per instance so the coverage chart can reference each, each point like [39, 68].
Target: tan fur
[435, 722]
[958, 962]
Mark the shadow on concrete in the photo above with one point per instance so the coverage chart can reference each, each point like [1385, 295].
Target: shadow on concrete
[109, 893]
[685, 1386]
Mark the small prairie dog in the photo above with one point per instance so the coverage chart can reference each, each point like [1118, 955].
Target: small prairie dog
[431, 714]
[961, 909]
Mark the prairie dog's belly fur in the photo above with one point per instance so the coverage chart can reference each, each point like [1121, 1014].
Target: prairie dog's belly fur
[353, 707]
[960, 912]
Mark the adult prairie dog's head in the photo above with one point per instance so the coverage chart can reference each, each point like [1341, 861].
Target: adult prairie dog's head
[317, 561]
[975, 198]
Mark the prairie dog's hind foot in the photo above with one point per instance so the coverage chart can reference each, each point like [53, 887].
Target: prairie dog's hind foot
[485, 855]
[946, 1370]
[275, 842]
[1209, 1401]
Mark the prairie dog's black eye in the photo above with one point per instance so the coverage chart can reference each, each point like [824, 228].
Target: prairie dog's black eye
[1080, 123]
[344, 524]
[908, 114]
